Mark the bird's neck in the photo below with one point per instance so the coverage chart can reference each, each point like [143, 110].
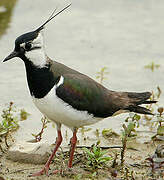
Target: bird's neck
[40, 80]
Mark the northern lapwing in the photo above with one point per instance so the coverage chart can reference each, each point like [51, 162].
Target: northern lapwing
[67, 96]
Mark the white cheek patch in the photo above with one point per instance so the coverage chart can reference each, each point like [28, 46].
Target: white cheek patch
[37, 57]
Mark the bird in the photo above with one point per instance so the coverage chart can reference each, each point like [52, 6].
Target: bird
[66, 96]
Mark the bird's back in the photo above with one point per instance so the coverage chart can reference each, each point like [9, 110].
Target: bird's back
[85, 94]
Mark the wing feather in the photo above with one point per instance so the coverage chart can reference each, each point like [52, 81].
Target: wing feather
[84, 94]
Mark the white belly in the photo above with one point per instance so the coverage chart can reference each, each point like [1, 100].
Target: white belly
[58, 111]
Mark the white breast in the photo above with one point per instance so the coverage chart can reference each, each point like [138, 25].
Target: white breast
[58, 111]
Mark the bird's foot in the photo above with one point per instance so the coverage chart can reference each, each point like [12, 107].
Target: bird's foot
[43, 171]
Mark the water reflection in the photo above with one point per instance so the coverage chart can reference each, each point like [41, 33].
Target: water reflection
[6, 8]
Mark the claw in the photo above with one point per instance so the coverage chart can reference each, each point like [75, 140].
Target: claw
[43, 171]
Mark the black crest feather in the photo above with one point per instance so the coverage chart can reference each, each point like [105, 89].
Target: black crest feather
[51, 17]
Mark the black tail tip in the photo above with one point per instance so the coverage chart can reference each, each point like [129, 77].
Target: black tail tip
[140, 110]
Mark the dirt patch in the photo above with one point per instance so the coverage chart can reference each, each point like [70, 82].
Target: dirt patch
[135, 166]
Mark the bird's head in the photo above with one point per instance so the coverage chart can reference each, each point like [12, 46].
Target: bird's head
[26, 45]
[30, 46]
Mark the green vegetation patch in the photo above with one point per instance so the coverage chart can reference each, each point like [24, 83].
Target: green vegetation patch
[6, 8]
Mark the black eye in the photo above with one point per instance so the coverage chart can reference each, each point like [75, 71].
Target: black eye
[28, 46]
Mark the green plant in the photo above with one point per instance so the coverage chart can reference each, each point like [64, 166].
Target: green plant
[152, 66]
[126, 133]
[159, 122]
[23, 115]
[107, 133]
[101, 74]
[160, 117]
[96, 158]
[133, 120]
[39, 135]
[9, 121]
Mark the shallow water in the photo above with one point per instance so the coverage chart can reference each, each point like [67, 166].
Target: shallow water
[122, 35]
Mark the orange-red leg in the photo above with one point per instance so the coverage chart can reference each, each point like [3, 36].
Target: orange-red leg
[73, 145]
[47, 165]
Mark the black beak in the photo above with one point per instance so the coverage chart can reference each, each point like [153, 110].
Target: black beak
[12, 55]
